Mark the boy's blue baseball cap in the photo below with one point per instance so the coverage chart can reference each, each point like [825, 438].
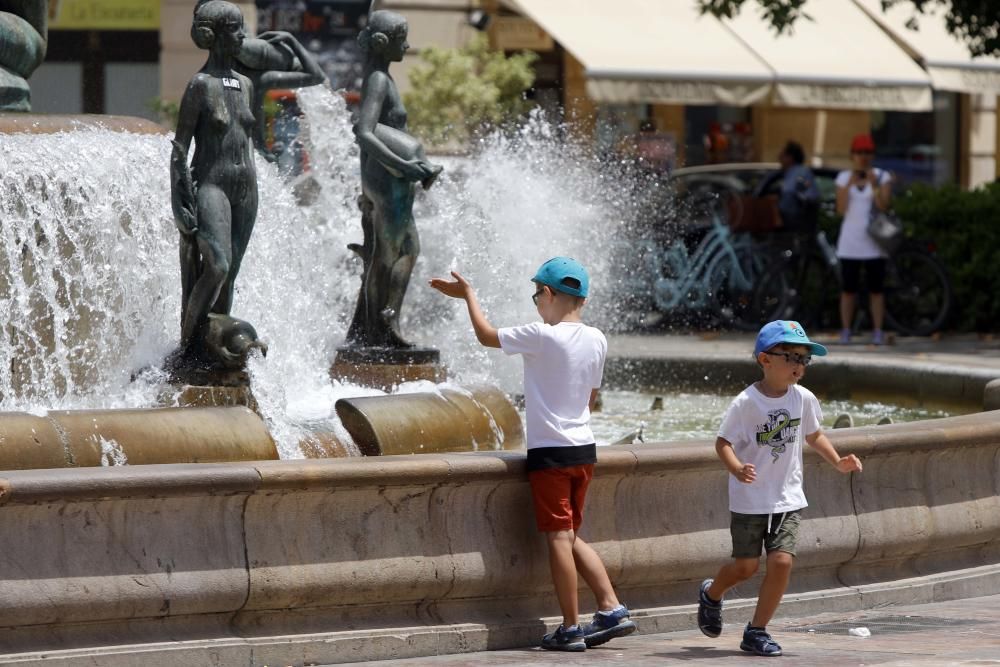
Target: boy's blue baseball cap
[555, 272]
[785, 331]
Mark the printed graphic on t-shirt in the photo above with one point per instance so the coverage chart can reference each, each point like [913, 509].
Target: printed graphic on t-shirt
[779, 430]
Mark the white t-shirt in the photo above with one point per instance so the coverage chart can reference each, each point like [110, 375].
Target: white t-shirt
[769, 432]
[562, 364]
[854, 241]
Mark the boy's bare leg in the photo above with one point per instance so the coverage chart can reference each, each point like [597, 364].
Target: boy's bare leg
[730, 574]
[563, 567]
[772, 589]
[591, 568]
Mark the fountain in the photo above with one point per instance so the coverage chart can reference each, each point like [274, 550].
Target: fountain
[87, 266]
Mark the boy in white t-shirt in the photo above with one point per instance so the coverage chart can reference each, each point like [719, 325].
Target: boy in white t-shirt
[563, 368]
[760, 443]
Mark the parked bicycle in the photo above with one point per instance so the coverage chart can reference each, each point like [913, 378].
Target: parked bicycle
[805, 286]
[717, 277]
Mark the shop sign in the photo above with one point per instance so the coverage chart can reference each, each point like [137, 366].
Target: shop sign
[104, 14]
[515, 33]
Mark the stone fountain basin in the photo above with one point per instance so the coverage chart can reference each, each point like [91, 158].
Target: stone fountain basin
[325, 561]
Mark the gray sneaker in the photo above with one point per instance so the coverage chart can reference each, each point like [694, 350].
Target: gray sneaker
[709, 612]
[756, 640]
[608, 625]
[565, 639]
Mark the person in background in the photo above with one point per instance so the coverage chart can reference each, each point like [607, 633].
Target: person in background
[858, 190]
[795, 184]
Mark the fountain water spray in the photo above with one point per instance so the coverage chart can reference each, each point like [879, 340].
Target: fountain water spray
[89, 277]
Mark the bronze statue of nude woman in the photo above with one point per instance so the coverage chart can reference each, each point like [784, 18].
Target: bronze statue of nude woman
[215, 203]
[392, 161]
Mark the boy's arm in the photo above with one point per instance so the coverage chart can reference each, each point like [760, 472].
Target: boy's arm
[745, 472]
[460, 288]
[822, 444]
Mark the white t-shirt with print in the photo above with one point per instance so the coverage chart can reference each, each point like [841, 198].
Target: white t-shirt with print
[769, 432]
[854, 241]
[562, 364]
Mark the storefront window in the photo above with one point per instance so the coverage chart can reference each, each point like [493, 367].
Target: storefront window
[715, 134]
[919, 147]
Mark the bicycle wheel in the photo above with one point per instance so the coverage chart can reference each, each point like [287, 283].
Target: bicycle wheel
[774, 296]
[917, 293]
[817, 296]
[740, 300]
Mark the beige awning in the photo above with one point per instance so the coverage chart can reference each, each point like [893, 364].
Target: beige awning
[840, 59]
[945, 57]
[653, 51]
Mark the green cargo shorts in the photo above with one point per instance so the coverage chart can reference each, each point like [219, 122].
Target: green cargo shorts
[750, 532]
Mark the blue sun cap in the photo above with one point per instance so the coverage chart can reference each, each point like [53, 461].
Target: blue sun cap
[564, 274]
[785, 331]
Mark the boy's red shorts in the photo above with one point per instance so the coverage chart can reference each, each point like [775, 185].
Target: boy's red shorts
[558, 495]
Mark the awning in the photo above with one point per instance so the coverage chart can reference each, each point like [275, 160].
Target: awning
[840, 59]
[945, 57]
[653, 51]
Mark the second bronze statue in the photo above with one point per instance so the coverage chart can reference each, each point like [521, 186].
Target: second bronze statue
[392, 162]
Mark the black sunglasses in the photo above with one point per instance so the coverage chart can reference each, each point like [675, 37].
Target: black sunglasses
[534, 297]
[793, 357]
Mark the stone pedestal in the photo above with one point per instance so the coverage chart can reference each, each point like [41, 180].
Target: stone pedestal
[385, 368]
[209, 387]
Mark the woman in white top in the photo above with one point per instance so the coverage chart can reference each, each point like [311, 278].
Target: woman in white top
[859, 189]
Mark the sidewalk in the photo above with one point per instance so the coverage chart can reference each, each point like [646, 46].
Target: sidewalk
[957, 349]
[961, 632]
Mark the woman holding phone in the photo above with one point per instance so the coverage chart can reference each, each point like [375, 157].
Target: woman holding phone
[858, 190]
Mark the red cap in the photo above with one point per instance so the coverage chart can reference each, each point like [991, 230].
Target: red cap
[862, 142]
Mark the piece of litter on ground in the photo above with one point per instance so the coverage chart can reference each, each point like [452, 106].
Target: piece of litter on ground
[812, 630]
[860, 632]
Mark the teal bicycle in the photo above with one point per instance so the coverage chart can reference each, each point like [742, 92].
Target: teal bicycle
[719, 277]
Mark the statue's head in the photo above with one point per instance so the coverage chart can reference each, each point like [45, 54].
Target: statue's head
[384, 35]
[215, 19]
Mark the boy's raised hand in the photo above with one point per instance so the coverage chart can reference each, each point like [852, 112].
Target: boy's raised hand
[849, 463]
[458, 288]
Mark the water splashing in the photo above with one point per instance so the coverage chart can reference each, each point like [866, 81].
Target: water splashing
[89, 271]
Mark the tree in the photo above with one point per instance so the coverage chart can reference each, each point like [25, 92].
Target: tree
[976, 22]
[456, 92]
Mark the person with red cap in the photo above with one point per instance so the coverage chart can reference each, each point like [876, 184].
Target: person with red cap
[859, 190]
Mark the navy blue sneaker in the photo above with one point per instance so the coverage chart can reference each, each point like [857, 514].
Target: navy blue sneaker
[607, 625]
[756, 640]
[709, 612]
[565, 639]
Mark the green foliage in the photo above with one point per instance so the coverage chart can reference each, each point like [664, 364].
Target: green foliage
[963, 227]
[167, 110]
[456, 92]
[976, 22]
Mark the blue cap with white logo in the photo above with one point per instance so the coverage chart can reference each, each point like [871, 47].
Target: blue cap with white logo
[564, 274]
[785, 331]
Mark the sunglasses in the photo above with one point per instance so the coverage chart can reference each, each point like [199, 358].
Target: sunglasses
[534, 297]
[793, 357]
